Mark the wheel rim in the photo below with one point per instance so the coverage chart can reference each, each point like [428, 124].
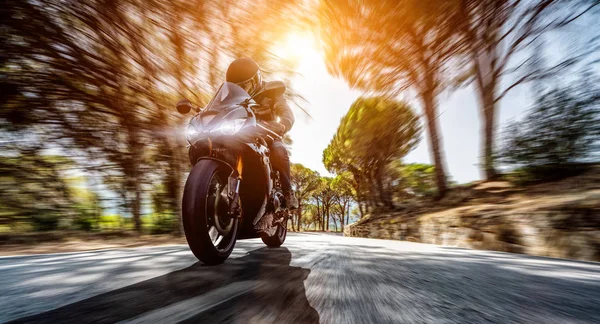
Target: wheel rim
[220, 226]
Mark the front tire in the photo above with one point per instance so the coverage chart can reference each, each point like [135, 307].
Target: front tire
[210, 232]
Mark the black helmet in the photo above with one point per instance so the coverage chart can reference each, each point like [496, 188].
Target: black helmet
[245, 73]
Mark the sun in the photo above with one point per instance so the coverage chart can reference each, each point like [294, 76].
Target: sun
[299, 48]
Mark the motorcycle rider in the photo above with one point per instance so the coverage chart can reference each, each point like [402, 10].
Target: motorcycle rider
[276, 113]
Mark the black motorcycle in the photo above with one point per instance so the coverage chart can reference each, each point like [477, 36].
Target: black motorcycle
[232, 191]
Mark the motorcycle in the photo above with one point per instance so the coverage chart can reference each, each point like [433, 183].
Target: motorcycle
[231, 191]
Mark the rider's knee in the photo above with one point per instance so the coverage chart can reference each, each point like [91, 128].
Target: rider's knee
[279, 151]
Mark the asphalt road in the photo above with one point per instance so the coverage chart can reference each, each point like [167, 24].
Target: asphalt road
[314, 278]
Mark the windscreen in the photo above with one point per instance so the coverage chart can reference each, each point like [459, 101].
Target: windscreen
[228, 95]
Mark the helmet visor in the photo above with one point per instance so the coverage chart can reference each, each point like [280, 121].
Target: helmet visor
[253, 84]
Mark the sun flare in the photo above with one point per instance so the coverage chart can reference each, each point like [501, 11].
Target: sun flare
[299, 48]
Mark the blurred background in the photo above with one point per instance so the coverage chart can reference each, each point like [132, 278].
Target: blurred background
[404, 108]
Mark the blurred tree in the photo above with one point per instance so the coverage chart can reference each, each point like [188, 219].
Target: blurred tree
[304, 182]
[500, 38]
[324, 196]
[418, 178]
[86, 204]
[100, 77]
[310, 217]
[374, 132]
[392, 46]
[33, 190]
[562, 128]
[343, 187]
[337, 159]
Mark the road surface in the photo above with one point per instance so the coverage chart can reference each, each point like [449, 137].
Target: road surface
[314, 278]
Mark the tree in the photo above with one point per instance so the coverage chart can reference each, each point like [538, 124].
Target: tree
[344, 195]
[418, 178]
[562, 128]
[311, 217]
[99, 78]
[304, 182]
[392, 46]
[500, 38]
[33, 190]
[374, 132]
[86, 204]
[324, 198]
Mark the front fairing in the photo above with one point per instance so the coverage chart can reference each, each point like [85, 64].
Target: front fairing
[225, 115]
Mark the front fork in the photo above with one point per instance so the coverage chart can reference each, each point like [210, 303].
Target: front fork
[234, 190]
[234, 196]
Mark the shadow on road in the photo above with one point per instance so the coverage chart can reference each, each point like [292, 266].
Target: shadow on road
[280, 299]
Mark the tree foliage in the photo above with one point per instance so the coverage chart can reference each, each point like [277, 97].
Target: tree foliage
[322, 200]
[99, 78]
[426, 46]
[33, 190]
[417, 178]
[345, 193]
[502, 39]
[392, 46]
[304, 182]
[562, 128]
[374, 132]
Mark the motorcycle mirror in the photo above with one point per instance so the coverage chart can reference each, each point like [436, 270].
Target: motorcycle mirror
[184, 106]
[273, 89]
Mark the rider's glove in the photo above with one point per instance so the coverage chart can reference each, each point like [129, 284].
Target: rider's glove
[262, 111]
[265, 107]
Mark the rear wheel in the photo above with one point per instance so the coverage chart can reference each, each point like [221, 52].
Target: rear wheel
[211, 233]
[279, 237]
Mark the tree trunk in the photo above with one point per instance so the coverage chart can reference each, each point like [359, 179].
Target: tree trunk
[488, 114]
[292, 219]
[379, 187]
[360, 209]
[327, 219]
[132, 171]
[359, 193]
[342, 215]
[383, 193]
[174, 187]
[319, 216]
[299, 211]
[322, 218]
[137, 206]
[376, 199]
[429, 106]
[348, 214]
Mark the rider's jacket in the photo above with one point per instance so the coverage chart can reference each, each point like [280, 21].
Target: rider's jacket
[270, 109]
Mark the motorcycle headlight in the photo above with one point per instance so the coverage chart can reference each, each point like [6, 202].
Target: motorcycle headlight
[230, 127]
[191, 132]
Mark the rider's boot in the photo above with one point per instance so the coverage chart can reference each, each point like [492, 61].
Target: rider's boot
[291, 202]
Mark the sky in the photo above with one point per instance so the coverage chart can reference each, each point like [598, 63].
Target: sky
[329, 99]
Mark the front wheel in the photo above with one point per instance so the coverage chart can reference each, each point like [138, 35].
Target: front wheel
[279, 237]
[210, 231]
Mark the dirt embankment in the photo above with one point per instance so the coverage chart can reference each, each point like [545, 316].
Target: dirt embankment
[60, 241]
[557, 219]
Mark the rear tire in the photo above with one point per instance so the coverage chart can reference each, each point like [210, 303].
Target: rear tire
[204, 204]
[279, 237]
